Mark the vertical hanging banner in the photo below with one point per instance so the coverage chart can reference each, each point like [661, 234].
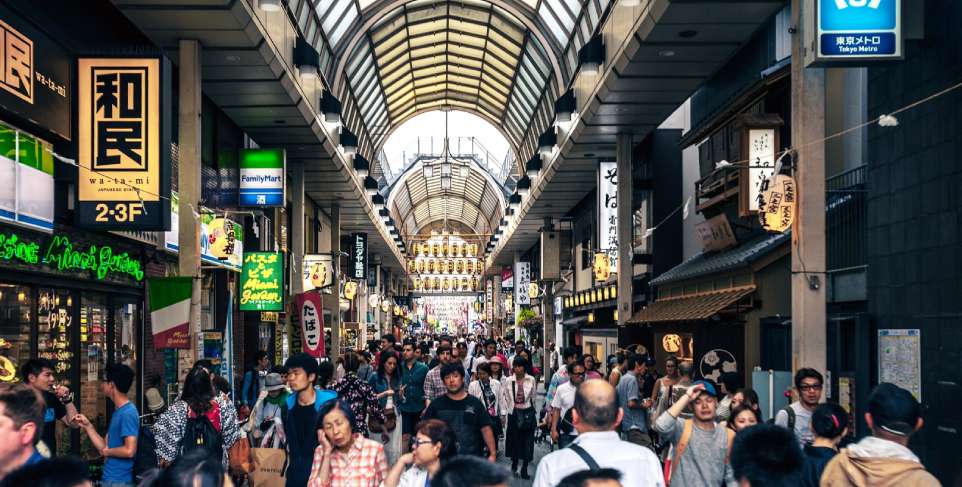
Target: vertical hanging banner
[522, 279]
[123, 144]
[311, 316]
[608, 210]
[489, 299]
[262, 282]
[358, 256]
[169, 301]
[262, 177]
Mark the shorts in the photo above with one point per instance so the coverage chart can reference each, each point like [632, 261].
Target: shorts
[408, 422]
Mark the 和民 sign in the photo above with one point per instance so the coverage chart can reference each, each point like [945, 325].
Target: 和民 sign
[262, 282]
[857, 30]
[358, 256]
[262, 177]
[123, 181]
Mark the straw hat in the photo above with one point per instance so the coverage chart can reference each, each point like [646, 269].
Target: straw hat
[155, 402]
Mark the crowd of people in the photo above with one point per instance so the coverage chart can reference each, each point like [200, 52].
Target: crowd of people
[439, 411]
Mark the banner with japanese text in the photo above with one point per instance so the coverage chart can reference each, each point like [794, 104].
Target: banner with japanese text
[311, 316]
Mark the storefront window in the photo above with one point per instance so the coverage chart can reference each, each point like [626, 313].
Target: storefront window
[15, 305]
[55, 322]
[93, 355]
[126, 324]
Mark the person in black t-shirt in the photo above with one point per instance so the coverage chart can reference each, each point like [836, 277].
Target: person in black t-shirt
[38, 374]
[464, 414]
[299, 414]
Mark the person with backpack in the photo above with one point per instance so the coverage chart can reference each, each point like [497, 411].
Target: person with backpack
[300, 414]
[797, 416]
[119, 447]
[199, 419]
[700, 446]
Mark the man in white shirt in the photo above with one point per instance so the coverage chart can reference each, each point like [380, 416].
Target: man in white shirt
[797, 416]
[564, 399]
[596, 416]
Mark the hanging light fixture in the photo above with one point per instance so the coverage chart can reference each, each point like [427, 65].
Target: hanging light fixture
[307, 60]
[361, 165]
[547, 142]
[592, 55]
[378, 201]
[524, 185]
[384, 214]
[330, 107]
[370, 186]
[269, 5]
[347, 141]
[446, 182]
[564, 107]
[591, 317]
[514, 200]
[533, 167]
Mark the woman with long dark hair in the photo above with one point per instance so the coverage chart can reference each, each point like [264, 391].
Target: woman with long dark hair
[197, 405]
[386, 383]
[431, 447]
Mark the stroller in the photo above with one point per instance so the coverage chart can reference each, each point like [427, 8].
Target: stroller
[542, 435]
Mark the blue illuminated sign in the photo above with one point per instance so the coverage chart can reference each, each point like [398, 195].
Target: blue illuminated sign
[859, 29]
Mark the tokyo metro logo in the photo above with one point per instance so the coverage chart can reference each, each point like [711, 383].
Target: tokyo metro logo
[843, 4]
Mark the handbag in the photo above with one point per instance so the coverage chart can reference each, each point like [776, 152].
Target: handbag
[239, 457]
[268, 467]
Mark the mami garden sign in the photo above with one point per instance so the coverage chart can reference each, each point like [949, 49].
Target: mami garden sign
[60, 254]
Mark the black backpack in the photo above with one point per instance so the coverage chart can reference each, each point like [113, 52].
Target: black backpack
[146, 456]
[199, 432]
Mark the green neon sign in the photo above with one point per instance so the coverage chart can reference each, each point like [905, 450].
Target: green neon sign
[61, 254]
[262, 282]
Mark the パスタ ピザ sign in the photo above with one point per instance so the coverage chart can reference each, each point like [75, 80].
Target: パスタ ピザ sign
[262, 282]
[123, 145]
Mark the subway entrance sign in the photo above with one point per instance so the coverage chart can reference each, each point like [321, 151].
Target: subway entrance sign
[851, 32]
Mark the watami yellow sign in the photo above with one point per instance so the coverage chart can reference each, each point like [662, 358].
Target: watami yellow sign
[123, 154]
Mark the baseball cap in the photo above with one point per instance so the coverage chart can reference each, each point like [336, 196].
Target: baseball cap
[894, 409]
[709, 387]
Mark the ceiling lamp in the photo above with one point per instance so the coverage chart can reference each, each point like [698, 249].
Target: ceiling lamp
[514, 200]
[592, 55]
[378, 202]
[428, 171]
[348, 141]
[269, 5]
[533, 167]
[591, 317]
[330, 107]
[306, 59]
[384, 214]
[370, 186]
[547, 141]
[446, 182]
[445, 168]
[564, 107]
[361, 164]
[464, 170]
[524, 185]
[509, 212]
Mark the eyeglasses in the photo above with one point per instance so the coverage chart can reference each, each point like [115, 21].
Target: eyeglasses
[810, 387]
[416, 442]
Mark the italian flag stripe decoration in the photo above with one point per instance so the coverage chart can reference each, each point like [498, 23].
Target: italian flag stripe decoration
[169, 301]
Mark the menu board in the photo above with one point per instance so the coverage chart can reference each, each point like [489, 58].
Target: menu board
[899, 359]
[54, 322]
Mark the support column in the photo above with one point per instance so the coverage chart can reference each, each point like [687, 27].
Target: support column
[625, 240]
[378, 317]
[336, 312]
[497, 318]
[298, 234]
[550, 266]
[808, 232]
[362, 296]
[517, 292]
[188, 177]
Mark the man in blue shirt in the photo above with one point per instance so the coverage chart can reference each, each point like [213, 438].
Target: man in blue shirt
[411, 403]
[635, 422]
[120, 445]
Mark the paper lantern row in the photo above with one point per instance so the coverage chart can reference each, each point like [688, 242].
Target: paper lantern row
[445, 249]
[444, 266]
[451, 284]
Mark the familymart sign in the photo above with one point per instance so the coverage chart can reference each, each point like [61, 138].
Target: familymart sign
[59, 253]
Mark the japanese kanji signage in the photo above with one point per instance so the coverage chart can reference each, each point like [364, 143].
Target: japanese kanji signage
[777, 212]
[489, 299]
[522, 279]
[761, 157]
[858, 30]
[124, 159]
[262, 177]
[608, 210]
[311, 316]
[715, 233]
[34, 75]
[358, 256]
[262, 282]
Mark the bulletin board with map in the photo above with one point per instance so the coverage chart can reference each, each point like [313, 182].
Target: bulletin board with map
[899, 359]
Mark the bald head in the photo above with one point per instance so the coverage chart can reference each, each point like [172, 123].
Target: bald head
[596, 406]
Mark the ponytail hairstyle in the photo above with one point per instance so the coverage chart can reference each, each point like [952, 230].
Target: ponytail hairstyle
[829, 420]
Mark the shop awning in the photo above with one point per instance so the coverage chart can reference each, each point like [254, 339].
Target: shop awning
[575, 321]
[696, 307]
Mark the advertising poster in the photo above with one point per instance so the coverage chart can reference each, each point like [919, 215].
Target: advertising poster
[899, 359]
[262, 282]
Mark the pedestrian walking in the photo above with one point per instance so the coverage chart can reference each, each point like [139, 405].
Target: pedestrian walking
[268, 413]
[634, 424]
[563, 431]
[412, 404]
[254, 378]
[199, 419]
[344, 457]
[433, 382]
[358, 394]
[386, 384]
[766, 456]
[700, 447]
[742, 416]
[465, 414]
[300, 414]
[58, 401]
[884, 458]
[21, 424]
[470, 471]
[596, 416]
[830, 425]
[728, 385]
[520, 389]
[491, 393]
[433, 445]
[617, 368]
[591, 368]
[119, 447]
[797, 416]
[568, 355]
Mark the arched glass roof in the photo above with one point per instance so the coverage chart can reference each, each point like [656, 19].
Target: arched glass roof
[504, 60]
